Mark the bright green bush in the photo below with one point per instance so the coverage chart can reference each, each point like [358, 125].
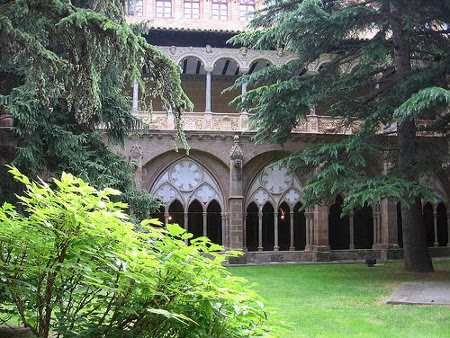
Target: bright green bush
[74, 264]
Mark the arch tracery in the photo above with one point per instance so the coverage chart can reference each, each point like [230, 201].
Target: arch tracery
[187, 181]
[275, 184]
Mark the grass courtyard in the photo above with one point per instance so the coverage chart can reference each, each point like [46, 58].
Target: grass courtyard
[337, 300]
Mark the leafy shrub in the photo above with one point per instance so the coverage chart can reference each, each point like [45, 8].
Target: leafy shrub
[74, 264]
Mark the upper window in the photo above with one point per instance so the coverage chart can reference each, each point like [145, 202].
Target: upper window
[220, 10]
[192, 9]
[135, 7]
[163, 8]
[246, 9]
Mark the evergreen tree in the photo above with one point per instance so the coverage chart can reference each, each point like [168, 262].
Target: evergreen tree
[66, 68]
[389, 67]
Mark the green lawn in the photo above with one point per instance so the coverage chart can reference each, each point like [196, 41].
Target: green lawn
[337, 300]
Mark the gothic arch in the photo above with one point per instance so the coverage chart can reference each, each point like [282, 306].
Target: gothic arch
[275, 184]
[187, 180]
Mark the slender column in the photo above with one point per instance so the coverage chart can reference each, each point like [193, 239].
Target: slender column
[186, 220]
[448, 228]
[436, 243]
[244, 88]
[352, 233]
[307, 230]
[379, 223]
[208, 90]
[135, 96]
[375, 225]
[311, 228]
[205, 224]
[260, 228]
[244, 232]
[224, 226]
[166, 216]
[291, 219]
[275, 230]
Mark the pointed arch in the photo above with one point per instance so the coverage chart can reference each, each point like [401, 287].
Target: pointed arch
[338, 227]
[251, 227]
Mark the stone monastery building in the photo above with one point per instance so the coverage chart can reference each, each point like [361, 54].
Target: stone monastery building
[226, 188]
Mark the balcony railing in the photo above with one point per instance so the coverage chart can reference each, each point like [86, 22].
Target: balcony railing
[235, 122]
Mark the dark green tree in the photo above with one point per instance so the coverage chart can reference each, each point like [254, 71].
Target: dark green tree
[66, 68]
[389, 67]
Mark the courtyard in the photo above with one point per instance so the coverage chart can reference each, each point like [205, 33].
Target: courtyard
[341, 300]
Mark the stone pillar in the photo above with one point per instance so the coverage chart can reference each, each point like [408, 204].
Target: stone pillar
[186, 225]
[307, 231]
[311, 228]
[448, 228]
[436, 242]
[275, 229]
[236, 200]
[291, 224]
[320, 227]
[208, 90]
[260, 228]
[352, 230]
[205, 224]
[135, 97]
[245, 231]
[166, 215]
[388, 238]
[224, 229]
[135, 157]
[319, 234]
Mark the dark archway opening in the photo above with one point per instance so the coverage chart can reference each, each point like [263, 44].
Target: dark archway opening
[176, 213]
[214, 222]
[268, 227]
[363, 227]
[160, 214]
[429, 223]
[442, 225]
[338, 228]
[299, 228]
[195, 219]
[251, 234]
[399, 226]
[284, 227]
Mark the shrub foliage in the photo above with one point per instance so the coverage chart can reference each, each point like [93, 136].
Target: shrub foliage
[73, 264]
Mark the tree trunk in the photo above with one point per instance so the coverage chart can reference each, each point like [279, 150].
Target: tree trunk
[417, 257]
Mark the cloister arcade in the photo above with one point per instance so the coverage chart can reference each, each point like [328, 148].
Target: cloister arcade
[273, 218]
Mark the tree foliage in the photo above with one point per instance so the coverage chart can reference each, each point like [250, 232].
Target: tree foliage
[73, 264]
[66, 68]
[389, 65]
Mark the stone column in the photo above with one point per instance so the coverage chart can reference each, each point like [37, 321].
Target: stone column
[245, 231]
[311, 228]
[166, 215]
[260, 228]
[291, 224]
[186, 225]
[319, 234]
[320, 227]
[352, 230]
[224, 229]
[307, 231]
[436, 242]
[135, 97]
[448, 228]
[275, 230]
[205, 224]
[208, 89]
[387, 226]
[236, 200]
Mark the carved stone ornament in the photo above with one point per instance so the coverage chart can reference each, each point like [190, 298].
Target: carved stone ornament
[236, 153]
[135, 154]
